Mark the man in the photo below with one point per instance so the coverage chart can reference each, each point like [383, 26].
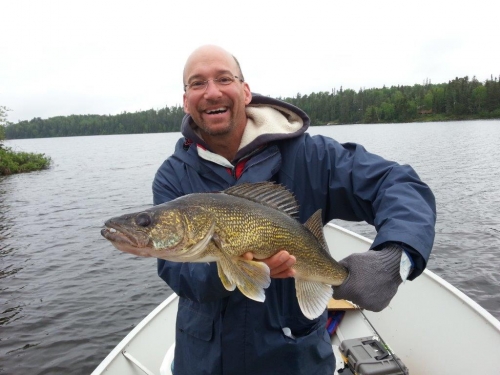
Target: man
[232, 136]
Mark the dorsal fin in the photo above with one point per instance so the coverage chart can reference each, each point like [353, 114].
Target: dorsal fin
[315, 226]
[268, 194]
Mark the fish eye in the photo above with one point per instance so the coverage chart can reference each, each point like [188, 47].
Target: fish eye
[143, 219]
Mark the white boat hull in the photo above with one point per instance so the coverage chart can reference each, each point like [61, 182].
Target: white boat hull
[432, 327]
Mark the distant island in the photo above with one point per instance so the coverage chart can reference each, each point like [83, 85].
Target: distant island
[17, 162]
[459, 99]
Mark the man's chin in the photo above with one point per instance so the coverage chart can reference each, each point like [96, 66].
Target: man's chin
[216, 129]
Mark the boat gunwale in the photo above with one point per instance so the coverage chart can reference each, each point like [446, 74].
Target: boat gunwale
[122, 345]
[471, 304]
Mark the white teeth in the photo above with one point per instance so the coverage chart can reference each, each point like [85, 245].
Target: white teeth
[221, 109]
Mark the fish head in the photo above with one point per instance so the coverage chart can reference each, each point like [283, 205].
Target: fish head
[147, 232]
[164, 232]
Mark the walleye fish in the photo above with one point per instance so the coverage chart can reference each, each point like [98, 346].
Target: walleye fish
[220, 227]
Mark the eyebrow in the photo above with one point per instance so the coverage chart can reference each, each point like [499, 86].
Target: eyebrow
[201, 76]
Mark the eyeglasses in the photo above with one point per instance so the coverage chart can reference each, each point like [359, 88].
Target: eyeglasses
[202, 85]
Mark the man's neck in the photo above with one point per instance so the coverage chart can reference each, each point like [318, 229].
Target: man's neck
[225, 145]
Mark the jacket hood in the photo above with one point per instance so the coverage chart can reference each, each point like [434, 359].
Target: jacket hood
[268, 120]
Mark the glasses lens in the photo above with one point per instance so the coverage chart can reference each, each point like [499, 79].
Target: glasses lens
[224, 80]
[197, 85]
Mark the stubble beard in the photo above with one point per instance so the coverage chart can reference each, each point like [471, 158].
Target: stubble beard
[218, 129]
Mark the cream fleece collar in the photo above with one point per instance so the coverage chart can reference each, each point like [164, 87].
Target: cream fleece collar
[268, 119]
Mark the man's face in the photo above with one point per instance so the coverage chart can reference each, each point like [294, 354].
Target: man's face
[216, 109]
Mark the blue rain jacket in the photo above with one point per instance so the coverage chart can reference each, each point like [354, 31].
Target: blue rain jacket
[222, 332]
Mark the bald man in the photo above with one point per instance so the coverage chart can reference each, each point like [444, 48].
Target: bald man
[232, 136]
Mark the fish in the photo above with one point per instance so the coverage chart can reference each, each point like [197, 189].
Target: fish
[221, 226]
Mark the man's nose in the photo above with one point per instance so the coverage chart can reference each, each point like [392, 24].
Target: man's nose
[212, 90]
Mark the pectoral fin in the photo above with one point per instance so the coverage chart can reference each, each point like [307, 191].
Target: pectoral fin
[313, 297]
[249, 276]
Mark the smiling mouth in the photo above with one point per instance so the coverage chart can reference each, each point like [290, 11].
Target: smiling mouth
[216, 111]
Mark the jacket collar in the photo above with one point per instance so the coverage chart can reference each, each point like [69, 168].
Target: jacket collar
[268, 120]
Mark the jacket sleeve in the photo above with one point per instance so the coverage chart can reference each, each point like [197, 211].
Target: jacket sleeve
[352, 184]
[196, 281]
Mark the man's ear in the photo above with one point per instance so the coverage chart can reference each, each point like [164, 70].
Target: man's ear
[248, 93]
[184, 101]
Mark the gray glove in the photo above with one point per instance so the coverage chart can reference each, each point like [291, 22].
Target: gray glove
[374, 277]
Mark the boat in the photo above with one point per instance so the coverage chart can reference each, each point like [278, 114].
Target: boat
[430, 327]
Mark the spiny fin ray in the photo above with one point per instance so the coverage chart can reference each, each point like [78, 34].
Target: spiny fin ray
[315, 225]
[268, 194]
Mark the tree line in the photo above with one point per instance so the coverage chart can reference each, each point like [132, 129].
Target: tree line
[167, 119]
[461, 98]
[458, 99]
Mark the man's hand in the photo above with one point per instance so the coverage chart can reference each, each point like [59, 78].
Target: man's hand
[279, 264]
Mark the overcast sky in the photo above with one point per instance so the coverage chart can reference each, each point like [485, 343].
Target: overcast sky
[106, 57]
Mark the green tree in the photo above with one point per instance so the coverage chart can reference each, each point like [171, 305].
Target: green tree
[17, 162]
[479, 97]
[2, 134]
[371, 115]
[428, 100]
[439, 100]
[387, 112]
[3, 122]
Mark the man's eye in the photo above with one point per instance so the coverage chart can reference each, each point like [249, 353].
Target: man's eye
[195, 84]
[225, 80]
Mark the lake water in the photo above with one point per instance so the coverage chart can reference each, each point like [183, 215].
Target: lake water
[68, 297]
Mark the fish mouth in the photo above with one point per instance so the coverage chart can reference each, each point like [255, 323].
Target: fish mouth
[119, 235]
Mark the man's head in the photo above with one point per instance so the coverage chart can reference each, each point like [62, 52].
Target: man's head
[215, 94]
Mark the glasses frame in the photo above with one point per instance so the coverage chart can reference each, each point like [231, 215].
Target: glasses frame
[214, 80]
